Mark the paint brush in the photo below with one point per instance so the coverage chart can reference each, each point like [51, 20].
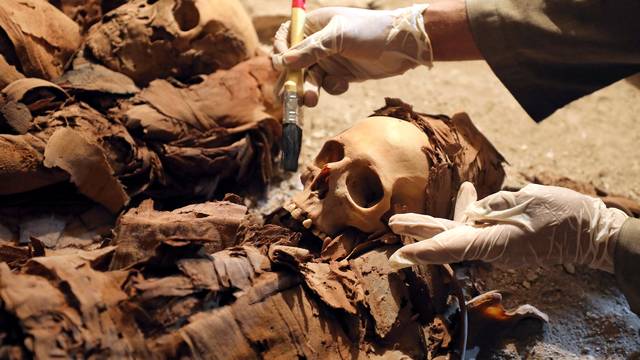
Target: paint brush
[292, 95]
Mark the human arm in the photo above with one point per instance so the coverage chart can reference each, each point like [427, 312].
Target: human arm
[536, 226]
[627, 262]
[546, 53]
[549, 53]
[345, 45]
[447, 24]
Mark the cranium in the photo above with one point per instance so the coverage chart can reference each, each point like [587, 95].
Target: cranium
[359, 176]
[148, 39]
[387, 165]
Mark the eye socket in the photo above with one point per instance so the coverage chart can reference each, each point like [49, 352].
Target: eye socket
[331, 152]
[365, 187]
[186, 15]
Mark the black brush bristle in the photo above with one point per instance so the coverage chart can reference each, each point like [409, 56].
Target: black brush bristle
[291, 144]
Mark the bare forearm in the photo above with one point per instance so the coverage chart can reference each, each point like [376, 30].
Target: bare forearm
[448, 28]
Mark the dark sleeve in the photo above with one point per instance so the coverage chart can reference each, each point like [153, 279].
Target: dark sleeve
[627, 262]
[551, 52]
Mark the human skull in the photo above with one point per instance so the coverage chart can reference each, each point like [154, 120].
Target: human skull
[149, 39]
[364, 175]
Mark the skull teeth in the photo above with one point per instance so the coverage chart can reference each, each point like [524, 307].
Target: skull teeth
[297, 214]
[319, 233]
[300, 215]
[290, 207]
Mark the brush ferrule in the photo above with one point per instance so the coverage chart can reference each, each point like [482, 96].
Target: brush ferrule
[291, 108]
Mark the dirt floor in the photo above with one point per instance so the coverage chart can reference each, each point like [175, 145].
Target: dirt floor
[594, 140]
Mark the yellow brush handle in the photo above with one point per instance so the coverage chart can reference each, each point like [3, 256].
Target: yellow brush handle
[296, 34]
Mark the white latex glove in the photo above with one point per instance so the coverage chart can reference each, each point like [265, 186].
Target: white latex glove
[536, 226]
[348, 44]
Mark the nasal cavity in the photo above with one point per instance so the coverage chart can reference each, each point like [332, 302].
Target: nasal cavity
[332, 151]
[321, 182]
[186, 14]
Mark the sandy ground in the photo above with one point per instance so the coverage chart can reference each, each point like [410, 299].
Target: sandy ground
[594, 139]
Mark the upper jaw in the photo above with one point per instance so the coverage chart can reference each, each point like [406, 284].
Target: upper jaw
[305, 219]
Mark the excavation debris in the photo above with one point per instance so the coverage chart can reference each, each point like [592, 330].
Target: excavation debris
[224, 128]
[57, 302]
[179, 140]
[141, 230]
[87, 167]
[97, 86]
[265, 300]
[73, 142]
[36, 40]
[170, 140]
[490, 321]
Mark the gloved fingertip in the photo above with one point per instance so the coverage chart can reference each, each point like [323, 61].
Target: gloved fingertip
[311, 86]
[420, 226]
[397, 218]
[398, 223]
[398, 261]
[335, 85]
[289, 60]
[420, 253]
[446, 247]
[281, 38]
[310, 98]
[277, 60]
[467, 191]
[467, 195]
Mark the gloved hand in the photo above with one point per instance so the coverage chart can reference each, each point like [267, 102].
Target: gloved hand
[348, 44]
[536, 226]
